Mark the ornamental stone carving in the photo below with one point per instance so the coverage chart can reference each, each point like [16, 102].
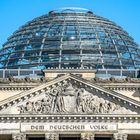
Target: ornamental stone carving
[119, 136]
[19, 137]
[87, 136]
[68, 99]
[51, 136]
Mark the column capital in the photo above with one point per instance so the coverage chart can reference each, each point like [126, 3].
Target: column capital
[19, 136]
[87, 136]
[120, 136]
[51, 136]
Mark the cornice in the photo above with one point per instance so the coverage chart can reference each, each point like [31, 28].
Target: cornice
[24, 87]
[70, 71]
[114, 80]
[15, 88]
[70, 118]
[121, 86]
[18, 86]
[105, 81]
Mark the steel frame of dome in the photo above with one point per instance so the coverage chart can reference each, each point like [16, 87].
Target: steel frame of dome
[70, 37]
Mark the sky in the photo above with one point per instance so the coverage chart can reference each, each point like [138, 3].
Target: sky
[15, 13]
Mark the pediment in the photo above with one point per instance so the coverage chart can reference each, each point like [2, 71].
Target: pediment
[69, 94]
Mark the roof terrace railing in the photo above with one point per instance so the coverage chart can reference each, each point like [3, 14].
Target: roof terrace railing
[20, 73]
[36, 73]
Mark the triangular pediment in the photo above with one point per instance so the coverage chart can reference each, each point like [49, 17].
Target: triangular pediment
[69, 94]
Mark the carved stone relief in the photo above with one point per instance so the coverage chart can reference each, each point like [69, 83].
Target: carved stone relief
[19, 137]
[66, 99]
[87, 136]
[119, 136]
[51, 136]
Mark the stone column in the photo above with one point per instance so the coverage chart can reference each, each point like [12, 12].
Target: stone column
[120, 136]
[87, 136]
[92, 136]
[19, 136]
[51, 136]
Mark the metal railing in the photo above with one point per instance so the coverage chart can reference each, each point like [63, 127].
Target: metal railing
[34, 73]
[20, 73]
[134, 73]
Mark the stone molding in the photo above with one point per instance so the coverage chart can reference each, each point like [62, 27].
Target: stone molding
[26, 80]
[70, 118]
[12, 80]
[123, 88]
[116, 80]
[17, 88]
[26, 87]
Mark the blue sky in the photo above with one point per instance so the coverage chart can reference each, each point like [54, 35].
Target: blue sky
[14, 13]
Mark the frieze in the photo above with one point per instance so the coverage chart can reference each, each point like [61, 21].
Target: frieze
[43, 80]
[68, 127]
[23, 80]
[116, 80]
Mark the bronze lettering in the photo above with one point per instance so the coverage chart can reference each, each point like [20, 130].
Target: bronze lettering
[99, 127]
[67, 127]
[37, 127]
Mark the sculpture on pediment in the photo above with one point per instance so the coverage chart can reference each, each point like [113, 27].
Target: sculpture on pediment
[58, 94]
[94, 104]
[81, 103]
[58, 100]
[66, 99]
[39, 106]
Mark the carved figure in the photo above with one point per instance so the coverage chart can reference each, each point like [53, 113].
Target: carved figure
[38, 106]
[21, 109]
[101, 108]
[29, 106]
[55, 101]
[58, 101]
[46, 105]
[80, 101]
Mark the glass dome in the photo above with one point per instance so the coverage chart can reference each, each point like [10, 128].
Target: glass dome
[70, 38]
